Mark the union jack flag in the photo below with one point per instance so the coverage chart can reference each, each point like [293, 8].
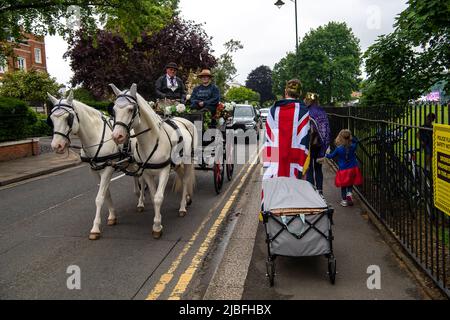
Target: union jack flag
[286, 146]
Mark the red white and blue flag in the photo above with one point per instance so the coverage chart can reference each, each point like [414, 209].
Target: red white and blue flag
[286, 146]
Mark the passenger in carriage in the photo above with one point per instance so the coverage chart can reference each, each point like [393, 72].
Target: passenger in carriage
[169, 86]
[206, 95]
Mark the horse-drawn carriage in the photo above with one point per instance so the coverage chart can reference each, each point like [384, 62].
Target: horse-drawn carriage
[217, 150]
[157, 145]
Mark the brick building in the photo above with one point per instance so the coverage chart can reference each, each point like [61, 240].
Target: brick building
[29, 54]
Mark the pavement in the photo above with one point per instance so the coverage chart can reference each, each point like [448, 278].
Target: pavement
[30, 167]
[358, 247]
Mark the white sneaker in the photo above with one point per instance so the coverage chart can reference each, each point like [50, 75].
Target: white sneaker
[349, 199]
[344, 203]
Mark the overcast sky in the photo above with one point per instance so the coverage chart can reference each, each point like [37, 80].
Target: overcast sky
[266, 32]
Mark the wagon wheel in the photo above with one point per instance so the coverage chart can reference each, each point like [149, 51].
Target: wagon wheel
[230, 161]
[230, 169]
[270, 266]
[218, 174]
[332, 269]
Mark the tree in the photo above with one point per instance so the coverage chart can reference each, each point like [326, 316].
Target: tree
[391, 65]
[241, 95]
[404, 64]
[260, 80]
[127, 18]
[328, 60]
[95, 65]
[226, 70]
[282, 72]
[31, 86]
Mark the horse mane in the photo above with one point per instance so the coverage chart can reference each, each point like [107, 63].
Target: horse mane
[147, 112]
[92, 112]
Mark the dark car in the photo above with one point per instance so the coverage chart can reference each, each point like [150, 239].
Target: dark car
[245, 117]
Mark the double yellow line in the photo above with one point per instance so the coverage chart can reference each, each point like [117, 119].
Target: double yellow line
[188, 274]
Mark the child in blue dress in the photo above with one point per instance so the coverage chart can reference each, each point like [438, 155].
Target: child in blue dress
[348, 174]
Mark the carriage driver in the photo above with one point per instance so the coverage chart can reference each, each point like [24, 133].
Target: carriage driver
[206, 95]
[169, 86]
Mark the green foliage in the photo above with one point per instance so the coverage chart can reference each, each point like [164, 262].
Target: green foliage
[128, 18]
[327, 62]
[15, 118]
[242, 94]
[260, 80]
[85, 96]
[31, 86]
[226, 70]
[406, 63]
[282, 72]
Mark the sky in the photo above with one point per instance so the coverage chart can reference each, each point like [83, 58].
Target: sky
[266, 32]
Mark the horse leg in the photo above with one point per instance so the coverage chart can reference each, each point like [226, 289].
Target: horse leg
[105, 179]
[112, 218]
[181, 179]
[139, 190]
[151, 188]
[158, 200]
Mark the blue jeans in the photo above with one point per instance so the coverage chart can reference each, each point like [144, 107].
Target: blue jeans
[315, 174]
[345, 190]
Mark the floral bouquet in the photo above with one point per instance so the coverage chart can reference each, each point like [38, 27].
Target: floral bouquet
[176, 110]
[224, 112]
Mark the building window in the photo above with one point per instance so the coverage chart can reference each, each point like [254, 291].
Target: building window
[37, 55]
[21, 64]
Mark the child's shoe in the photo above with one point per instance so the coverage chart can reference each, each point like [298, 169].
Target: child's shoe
[349, 199]
[344, 203]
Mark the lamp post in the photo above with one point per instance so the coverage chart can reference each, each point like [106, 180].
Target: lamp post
[279, 4]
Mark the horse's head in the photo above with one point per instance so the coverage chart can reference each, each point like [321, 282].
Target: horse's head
[64, 121]
[125, 112]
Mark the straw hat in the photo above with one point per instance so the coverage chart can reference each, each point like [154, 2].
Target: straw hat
[205, 73]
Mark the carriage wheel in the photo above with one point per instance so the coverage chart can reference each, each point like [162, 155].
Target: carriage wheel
[229, 157]
[218, 174]
[270, 267]
[332, 268]
[230, 169]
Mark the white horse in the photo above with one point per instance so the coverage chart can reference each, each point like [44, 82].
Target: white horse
[70, 116]
[158, 143]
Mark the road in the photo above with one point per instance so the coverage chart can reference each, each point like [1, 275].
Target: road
[45, 226]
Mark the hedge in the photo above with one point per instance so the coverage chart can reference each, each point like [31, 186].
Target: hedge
[19, 121]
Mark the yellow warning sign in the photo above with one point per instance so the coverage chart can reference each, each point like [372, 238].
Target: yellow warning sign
[441, 167]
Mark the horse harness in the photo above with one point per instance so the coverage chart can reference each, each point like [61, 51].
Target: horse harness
[96, 162]
[146, 165]
[70, 110]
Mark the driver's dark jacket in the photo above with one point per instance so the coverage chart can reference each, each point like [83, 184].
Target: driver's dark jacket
[210, 95]
[163, 92]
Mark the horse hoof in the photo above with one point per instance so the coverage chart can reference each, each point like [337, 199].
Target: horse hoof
[182, 213]
[156, 234]
[140, 209]
[188, 200]
[112, 222]
[94, 236]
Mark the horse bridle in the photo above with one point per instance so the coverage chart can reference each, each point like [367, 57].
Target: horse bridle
[132, 100]
[70, 118]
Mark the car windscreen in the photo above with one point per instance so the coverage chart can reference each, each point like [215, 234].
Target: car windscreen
[243, 112]
[264, 111]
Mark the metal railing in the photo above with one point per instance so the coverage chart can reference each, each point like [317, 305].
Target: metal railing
[397, 174]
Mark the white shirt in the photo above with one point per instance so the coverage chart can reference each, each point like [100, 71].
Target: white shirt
[169, 83]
